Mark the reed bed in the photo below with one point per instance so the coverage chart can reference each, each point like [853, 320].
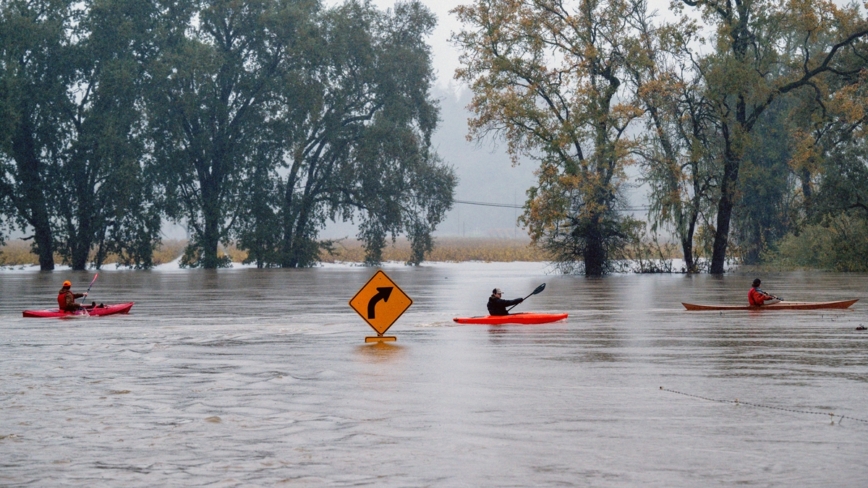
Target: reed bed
[446, 249]
[17, 253]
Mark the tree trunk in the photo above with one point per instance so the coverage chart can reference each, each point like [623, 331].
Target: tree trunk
[81, 243]
[687, 243]
[34, 206]
[288, 225]
[807, 191]
[297, 246]
[595, 252]
[210, 239]
[80, 251]
[724, 213]
[44, 241]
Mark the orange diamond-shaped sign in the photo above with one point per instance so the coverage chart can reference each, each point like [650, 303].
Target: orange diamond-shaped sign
[380, 302]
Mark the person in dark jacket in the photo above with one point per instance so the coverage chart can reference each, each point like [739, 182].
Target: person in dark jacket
[497, 305]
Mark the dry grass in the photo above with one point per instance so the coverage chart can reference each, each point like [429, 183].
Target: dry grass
[169, 251]
[449, 249]
[17, 253]
[237, 255]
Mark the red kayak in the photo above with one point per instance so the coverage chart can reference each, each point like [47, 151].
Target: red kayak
[516, 318]
[90, 312]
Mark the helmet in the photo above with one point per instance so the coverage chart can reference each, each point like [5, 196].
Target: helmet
[496, 291]
[67, 284]
[756, 282]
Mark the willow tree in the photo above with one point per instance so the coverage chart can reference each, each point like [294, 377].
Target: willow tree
[355, 122]
[211, 107]
[35, 78]
[752, 65]
[550, 77]
[72, 136]
[678, 149]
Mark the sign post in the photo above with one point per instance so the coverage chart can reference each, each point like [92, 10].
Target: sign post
[380, 303]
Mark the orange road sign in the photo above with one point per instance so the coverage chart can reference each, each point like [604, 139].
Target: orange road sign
[380, 302]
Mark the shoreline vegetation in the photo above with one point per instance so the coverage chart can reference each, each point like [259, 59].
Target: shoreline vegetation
[644, 257]
[446, 249]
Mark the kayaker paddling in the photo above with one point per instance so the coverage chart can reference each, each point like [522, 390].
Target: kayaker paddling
[497, 305]
[757, 298]
[66, 298]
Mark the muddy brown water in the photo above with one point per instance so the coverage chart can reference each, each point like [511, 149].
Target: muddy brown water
[246, 377]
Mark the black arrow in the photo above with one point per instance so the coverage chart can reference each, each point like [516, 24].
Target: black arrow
[382, 294]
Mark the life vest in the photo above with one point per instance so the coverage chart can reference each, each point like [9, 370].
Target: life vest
[61, 299]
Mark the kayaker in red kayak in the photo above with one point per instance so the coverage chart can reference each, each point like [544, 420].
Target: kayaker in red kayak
[497, 305]
[758, 298]
[66, 298]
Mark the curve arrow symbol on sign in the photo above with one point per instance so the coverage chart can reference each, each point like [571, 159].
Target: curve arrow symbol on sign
[382, 294]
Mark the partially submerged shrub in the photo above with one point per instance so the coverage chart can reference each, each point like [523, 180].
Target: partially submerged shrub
[838, 243]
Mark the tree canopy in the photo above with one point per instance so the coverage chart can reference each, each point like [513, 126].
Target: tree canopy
[745, 108]
[246, 121]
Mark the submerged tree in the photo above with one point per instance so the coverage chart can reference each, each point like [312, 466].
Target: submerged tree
[211, 101]
[752, 66]
[678, 149]
[550, 76]
[72, 137]
[36, 74]
[271, 117]
[356, 123]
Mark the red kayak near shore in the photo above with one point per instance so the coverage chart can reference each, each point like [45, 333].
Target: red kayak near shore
[776, 306]
[529, 318]
[91, 312]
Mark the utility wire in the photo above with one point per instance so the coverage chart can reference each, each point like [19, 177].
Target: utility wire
[509, 205]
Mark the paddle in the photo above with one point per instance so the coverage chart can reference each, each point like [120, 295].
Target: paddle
[770, 295]
[539, 289]
[88, 291]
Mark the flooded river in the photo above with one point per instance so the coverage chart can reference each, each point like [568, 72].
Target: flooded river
[246, 377]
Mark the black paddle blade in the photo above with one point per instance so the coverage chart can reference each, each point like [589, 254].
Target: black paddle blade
[539, 289]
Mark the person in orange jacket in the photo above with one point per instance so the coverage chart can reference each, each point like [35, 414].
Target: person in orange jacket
[66, 298]
[758, 298]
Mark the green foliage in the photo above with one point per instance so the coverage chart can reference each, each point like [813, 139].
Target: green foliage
[763, 212]
[355, 129]
[844, 186]
[210, 100]
[193, 257]
[838, 243]
[581, 238]
[73, 138]
[761, 52]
